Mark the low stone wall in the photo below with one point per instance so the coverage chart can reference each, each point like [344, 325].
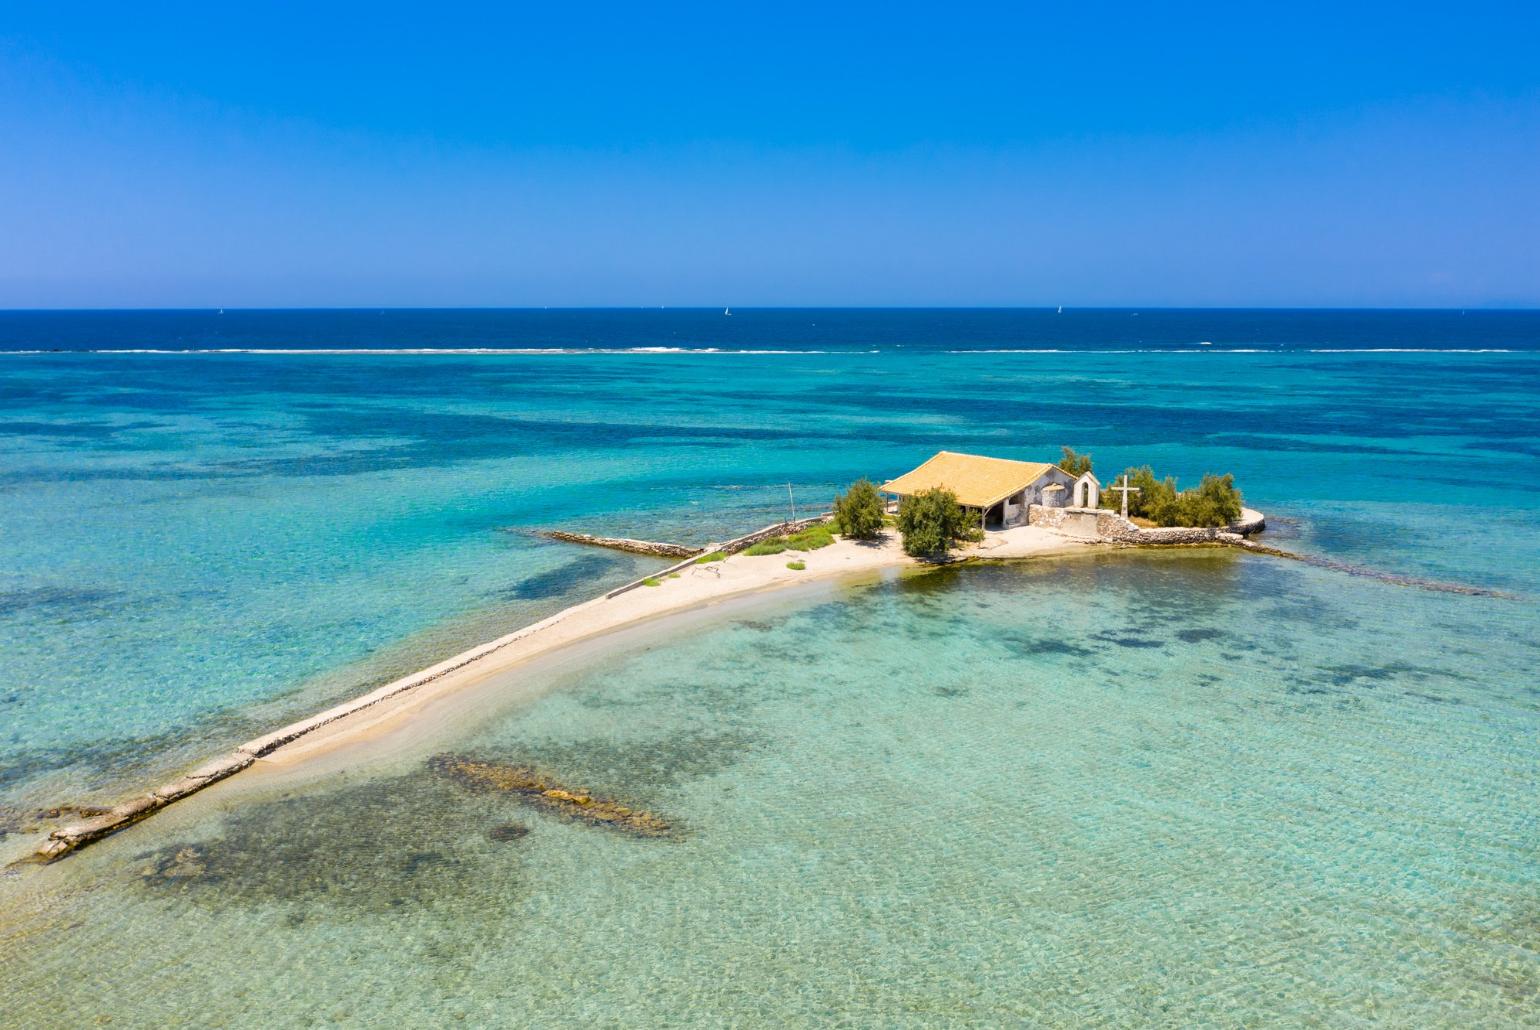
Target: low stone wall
[617, 543]
[67, 838]
[737, 544]
[1083, 520]
[732, 546]
[1116, 528]
[1080, 523]
[1251, 521]
[1109, 526]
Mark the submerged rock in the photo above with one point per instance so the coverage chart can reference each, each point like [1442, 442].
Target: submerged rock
[15, 820]
[541, 790]
[504, 832]
[375, 846]
[188, 861]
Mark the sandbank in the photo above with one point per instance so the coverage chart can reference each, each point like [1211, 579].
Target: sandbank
[394, 707]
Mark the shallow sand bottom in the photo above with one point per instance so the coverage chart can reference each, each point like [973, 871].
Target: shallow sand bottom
[1125, 789]
[389, 708]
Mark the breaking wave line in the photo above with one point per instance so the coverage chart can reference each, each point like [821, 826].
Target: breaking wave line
[534, 351]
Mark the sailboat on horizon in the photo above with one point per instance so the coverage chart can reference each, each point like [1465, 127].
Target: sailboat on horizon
[727, 311]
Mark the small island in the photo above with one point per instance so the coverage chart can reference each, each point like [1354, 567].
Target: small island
[953, 507]
[958, 498]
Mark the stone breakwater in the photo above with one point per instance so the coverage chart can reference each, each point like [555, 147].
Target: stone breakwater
[620, 543]
[659, 549]
[1418, 582]
[732, 546]
[1096, 525]
[67, 838]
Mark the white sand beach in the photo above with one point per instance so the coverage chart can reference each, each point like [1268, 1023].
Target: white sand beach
[696, 586]
[397, 707]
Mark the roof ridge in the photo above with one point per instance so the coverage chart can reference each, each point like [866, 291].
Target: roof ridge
[978, 479]
[987, 457]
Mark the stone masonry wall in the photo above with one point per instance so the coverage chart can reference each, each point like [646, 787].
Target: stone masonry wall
[1112, 527]
[737, 544]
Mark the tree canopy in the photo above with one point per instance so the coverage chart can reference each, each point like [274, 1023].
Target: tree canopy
[1075, 463]
[1214, 502]
[931, 521]
[859, 510]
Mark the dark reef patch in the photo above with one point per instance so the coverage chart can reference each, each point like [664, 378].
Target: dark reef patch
[563, 579]
[66, 600]
[1351, 674]
[542, 790]
[372, 847]
[1028, 646]
[1435, 698]
[1198, 634]
[643, 770]
[1123, 640]
[758, 625]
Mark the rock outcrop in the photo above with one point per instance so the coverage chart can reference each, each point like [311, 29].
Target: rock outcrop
[619, 543]
[77, 834]
[539, 789]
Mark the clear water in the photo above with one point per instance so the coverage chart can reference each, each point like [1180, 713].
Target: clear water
[1114, 791]
[1175, 789]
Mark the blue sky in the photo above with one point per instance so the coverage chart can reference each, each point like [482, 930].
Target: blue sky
[180, 155]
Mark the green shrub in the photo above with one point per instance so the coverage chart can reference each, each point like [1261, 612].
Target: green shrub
[820, 534]
[713, 556]
[931, 522]
[652, 581]
[796, 566]
[1214, 502]
[1154, 494]
[859, 511]
[810, 539]
[1075, 463]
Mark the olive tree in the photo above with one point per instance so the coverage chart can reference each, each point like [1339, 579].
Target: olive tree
[931, 521]
[1075, 463]
[858, 511]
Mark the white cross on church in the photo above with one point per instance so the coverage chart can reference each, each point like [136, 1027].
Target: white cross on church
[1126, 490]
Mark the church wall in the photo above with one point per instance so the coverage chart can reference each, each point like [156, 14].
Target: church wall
[1053, 475]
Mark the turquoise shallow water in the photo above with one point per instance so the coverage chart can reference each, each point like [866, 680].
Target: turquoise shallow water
[1105, 791]
[1174, 789]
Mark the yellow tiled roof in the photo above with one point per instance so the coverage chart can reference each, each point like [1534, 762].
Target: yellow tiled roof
[977, 481]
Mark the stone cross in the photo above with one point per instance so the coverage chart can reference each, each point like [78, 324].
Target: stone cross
[1126, 490]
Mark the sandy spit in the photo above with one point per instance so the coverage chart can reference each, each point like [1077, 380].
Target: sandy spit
[393, 707]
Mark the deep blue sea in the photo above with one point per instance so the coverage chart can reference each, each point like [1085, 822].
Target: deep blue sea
[1184, 788]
